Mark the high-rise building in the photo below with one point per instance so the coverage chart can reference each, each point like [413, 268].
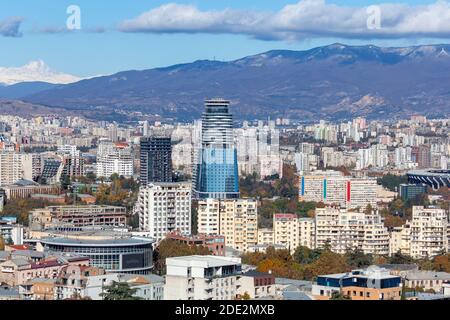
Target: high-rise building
[424, 157]
[258, 150]
[114, 158]
[286, 233]
[10, 167]
[216, 175]
[156, 160]
[236, 219]
[165, 208]
[429, 232]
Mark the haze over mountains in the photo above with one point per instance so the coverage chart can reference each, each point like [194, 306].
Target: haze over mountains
[331, 82]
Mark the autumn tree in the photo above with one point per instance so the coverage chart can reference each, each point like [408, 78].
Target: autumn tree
[442, 263]
[328, 263]
[2, 243]
[168, 248]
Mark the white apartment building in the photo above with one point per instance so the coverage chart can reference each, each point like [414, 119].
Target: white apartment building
[236, 219]
[400, 240]
[347, 230]
[164, 208]
[258, 149]
[289, 231]
[202, 278]
[11, 169]
[286, 230]
[333, 188]
[114, 158]
[429, 232]
[265, 236]
[307, 232]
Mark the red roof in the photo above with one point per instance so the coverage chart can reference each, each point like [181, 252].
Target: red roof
[285, 216]
[19, 247]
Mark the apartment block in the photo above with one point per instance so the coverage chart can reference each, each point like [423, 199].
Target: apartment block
[165, 208]
[236, 219]
[114, 158]
[333, 188]
[429, 232]
[265, 236]
[348, 230]
[286, 230]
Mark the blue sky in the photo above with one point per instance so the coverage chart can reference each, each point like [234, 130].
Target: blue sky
[85, 53]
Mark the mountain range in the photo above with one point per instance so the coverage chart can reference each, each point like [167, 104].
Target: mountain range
[331, 82]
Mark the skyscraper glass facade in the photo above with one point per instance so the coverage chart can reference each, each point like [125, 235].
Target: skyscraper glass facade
[216, 174]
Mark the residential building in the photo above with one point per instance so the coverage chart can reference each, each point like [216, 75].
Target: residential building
[114, 158]
[333, 188]
[165, 208]
[429, 232]
[266, 236]
[202, 278]
[257, 285]
[286, 230]
[148, 287]
[236, 219]
[345, 230]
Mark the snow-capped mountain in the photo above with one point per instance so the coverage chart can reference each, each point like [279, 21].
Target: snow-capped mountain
[34, 71]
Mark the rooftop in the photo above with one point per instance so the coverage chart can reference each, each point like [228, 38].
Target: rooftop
[125, 241]
[203, 261]
[427, 275]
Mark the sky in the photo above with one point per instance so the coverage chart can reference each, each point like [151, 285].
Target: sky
[141, 34]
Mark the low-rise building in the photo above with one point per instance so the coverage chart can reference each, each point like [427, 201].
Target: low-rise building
[215, 243]
[202, 278]
[426, 280]
[257, 285]
[372, 283]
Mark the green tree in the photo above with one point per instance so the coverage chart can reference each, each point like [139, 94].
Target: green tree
[399, 258]
[305, 255]
[119, 291]
[357, 259]
[336, 295]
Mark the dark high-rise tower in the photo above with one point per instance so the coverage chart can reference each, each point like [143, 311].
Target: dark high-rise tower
[216, 174]
[156, 160]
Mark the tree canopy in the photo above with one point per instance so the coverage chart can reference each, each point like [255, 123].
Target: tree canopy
[119, 291]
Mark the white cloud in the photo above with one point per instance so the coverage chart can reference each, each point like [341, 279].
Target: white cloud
[305, 19]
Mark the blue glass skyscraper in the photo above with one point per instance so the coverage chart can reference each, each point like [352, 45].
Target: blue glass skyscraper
[216, 172]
